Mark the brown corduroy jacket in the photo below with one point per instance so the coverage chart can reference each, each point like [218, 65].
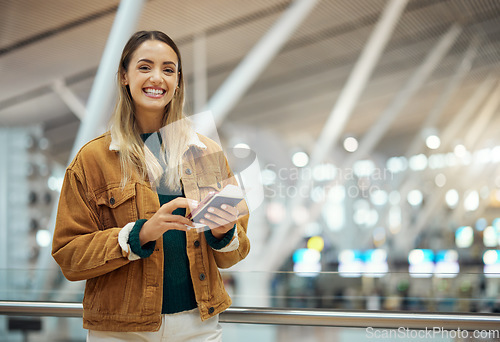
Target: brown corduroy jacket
[124, 292]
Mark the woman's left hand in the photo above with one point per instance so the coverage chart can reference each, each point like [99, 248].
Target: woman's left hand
[220, 221]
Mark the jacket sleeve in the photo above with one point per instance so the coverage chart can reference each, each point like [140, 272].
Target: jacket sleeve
[239, 246]
[81, 249]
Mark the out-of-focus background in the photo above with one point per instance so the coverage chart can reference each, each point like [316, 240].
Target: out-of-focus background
[373, 127]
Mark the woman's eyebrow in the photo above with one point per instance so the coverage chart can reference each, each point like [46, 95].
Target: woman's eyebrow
[144, 60]
[151, 62]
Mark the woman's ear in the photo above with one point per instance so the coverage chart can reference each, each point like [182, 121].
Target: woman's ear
[124, 80]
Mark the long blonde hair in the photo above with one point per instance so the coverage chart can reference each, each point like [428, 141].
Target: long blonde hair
[176, 130]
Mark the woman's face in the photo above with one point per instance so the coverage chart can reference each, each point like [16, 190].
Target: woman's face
[152, 77]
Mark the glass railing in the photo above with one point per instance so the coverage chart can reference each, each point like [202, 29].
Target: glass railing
[393, 291]
[329, 306]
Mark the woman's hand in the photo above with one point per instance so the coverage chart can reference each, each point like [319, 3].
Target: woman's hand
[220, 221]
[164, 220]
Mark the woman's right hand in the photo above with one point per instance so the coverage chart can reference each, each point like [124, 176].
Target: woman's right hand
[163, 220]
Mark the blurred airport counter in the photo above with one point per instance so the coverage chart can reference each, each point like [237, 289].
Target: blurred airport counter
[393, 291]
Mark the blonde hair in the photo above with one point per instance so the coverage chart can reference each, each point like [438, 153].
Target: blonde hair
[176, 129]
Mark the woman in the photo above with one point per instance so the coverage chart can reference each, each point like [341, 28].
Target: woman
[121, 221]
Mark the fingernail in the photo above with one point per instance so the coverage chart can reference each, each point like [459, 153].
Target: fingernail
[224, 206]
[211, 210]
[207, 216]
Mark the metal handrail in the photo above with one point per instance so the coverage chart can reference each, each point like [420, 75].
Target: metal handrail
[309, 317]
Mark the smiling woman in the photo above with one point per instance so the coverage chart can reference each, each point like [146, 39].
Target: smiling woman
[148, 273]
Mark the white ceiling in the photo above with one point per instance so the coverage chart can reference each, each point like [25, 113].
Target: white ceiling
[43, 41]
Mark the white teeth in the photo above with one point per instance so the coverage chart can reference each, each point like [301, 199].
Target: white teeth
[154, 91]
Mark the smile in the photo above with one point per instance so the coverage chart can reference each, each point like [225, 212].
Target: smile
[154, 92]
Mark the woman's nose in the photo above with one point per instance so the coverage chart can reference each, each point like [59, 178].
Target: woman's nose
[156, 76]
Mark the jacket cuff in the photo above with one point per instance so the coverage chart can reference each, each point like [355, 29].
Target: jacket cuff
[135, 243]
[123, 237]
[227, 244]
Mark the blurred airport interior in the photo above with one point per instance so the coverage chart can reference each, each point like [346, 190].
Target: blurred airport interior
[365, 131]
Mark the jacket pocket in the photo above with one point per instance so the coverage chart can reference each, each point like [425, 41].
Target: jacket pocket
[111, 293]
[117, 206]
[209, 181]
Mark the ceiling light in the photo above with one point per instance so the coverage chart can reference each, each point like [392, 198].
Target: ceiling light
[440, 180]
[452, 198]
[300, 159]
[433, 142]
[415, 197]
[351, 144]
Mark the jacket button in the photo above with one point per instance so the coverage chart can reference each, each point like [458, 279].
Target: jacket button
[202, 276]
[188, 171]
[197, 243]
[112, 200]
[211, 310]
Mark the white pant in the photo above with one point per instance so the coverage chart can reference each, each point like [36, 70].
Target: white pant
[179, 327]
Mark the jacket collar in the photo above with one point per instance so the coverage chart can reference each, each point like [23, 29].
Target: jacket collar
[194, 141]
